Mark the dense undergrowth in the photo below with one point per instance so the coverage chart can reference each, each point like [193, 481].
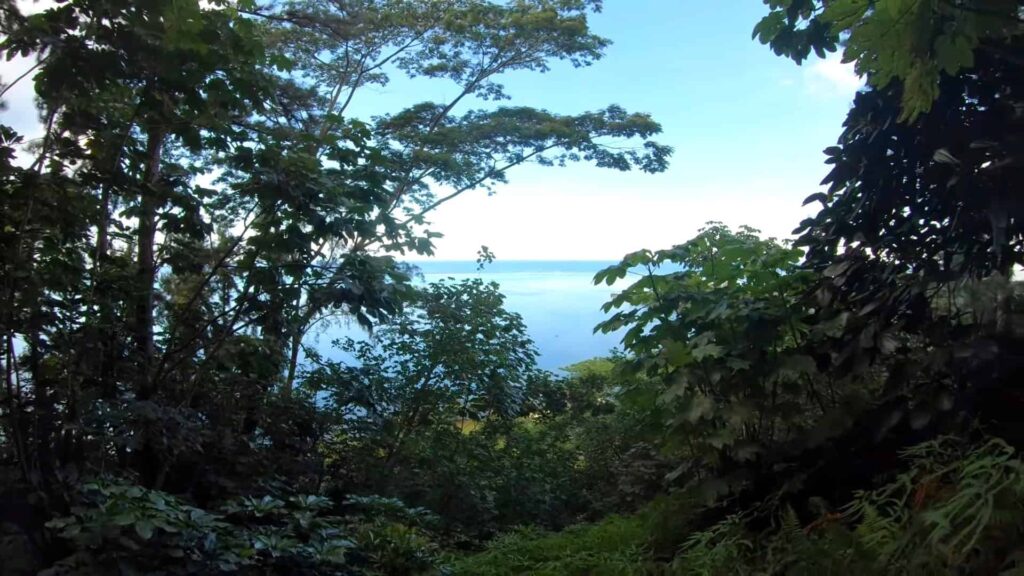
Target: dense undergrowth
[615, 546]
[955, 508]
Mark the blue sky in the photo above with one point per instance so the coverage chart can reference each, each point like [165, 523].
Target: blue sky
[748, 129]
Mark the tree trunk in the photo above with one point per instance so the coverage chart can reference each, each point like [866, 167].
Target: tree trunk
[293, 362]
[102, 231]
[44, 412]
[409, 422]
[108, 341]
[15, 412]
[146, 265]
[297, 332]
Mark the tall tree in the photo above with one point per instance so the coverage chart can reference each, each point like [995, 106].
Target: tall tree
[430, 154]
[124, 88]
[454, 356]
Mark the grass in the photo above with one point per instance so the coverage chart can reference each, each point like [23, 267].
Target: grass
[616, 546]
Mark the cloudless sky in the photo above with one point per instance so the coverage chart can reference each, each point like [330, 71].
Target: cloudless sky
[748, 128]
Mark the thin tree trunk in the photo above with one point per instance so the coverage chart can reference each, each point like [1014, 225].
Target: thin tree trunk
[298, 332]
[148, 460]
[45, 411]
[409, 421]
[293, 362]
[15, 412]
[108, 339]
[146, 265]
[102, 230]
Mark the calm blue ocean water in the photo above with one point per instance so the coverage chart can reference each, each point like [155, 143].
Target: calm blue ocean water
[557, 299]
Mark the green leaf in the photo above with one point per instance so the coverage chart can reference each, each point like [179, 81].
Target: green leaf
[769, 27]
[843, 14]
[124, 519]
[707, 351]
[697, 408]
[144, 528]
[895, 8]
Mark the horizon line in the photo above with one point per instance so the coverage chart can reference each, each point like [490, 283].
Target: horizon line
[498, 261]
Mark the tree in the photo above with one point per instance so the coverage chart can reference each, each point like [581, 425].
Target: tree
[430, 154]
[912, 42]
[924, 205]
[919, 202]
[719, 326]
[117, 106]
[200, 200]
[454, 356]
[916, 218]
[415, 406]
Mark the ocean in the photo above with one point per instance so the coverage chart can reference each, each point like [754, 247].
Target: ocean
[557, 299]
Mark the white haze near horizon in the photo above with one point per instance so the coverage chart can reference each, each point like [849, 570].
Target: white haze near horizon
[558, 300]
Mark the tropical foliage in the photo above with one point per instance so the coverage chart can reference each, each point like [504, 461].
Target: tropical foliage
[826, 396]
[954, 508]
[719, 340]
[204, 198]
[909, 45]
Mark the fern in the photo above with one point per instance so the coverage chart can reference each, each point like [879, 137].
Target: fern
[942, 512]
[955, 509]
[720, 550]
